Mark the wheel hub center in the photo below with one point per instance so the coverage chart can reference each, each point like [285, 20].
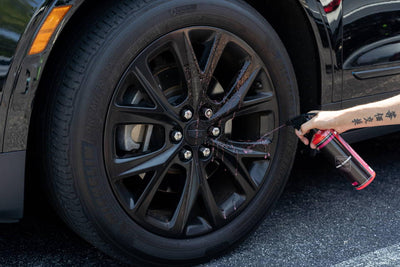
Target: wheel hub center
[196, 133]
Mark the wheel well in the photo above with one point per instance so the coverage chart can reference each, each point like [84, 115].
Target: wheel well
[303, 54]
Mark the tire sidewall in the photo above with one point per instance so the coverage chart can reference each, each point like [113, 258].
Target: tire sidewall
[106, 67]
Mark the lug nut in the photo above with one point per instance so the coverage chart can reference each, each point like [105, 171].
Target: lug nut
[177, 136]
[208, 112]
[215, 131]
[187, 154]
[205, 152]
[187, 114]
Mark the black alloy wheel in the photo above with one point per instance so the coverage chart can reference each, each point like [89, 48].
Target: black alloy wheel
[197, 106]
[158, 137]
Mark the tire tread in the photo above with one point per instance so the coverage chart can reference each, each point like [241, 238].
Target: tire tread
[59, 178]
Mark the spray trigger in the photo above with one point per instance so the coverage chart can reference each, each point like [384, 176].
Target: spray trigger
[297, 121]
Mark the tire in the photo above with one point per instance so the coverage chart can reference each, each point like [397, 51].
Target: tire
[154, 151]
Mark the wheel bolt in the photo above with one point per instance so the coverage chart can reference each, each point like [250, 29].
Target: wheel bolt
[208, 112]
[205, 152]
[177, 136]
[187, 114]
[215, 131]
[186, 154]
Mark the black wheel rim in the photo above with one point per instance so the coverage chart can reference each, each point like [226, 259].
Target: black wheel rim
[179, 175]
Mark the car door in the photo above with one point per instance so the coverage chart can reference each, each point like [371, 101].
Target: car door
[371, 49]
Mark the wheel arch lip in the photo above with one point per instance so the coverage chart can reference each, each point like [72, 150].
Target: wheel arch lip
[327, 31]
[24, 76]
[323, 41]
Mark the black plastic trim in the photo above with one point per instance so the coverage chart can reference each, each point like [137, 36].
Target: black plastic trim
[376, 73]
[12, 167]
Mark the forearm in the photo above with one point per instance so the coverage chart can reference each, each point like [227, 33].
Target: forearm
[385, 112]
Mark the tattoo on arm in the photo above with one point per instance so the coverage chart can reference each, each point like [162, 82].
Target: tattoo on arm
[357, 121]
[379, 116]
[391, 114]
[369, 119]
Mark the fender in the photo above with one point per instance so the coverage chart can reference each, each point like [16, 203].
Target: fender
[328, 30]
[23, 78]
[17, 93]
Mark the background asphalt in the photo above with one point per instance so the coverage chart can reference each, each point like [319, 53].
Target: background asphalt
[320, 220]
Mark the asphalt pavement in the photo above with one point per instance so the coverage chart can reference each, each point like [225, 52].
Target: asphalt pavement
[320, 220]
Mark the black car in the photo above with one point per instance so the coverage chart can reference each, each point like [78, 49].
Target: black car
[150, 123]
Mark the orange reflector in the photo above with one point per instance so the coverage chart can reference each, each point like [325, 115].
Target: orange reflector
[46, 31]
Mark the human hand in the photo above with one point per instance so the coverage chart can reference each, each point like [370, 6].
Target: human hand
[323, 120]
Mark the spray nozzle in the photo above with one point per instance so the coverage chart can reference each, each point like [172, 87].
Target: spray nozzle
[297, 121]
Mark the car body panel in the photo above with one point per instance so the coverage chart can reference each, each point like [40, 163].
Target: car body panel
[19, 79]
[14, 17]
[24, 76]
[371, 48]
[330, 30]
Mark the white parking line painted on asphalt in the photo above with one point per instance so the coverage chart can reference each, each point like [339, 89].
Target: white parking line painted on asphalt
[389, 256]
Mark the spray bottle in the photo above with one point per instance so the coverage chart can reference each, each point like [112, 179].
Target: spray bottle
[330, 143]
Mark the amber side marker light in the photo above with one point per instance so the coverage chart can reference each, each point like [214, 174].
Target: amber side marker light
[46, 31]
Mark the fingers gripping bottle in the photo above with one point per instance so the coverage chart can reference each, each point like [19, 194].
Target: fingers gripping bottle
[345, 159]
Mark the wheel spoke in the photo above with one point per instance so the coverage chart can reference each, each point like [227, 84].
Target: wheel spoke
[137, 115]
[264, 102]
[123, 168]
[212, 208]
[151, 86]
[241, 149]
[235, 97]
[187, 59]
[188, 199]
[144, 201]
[242, 176]
[220, 42]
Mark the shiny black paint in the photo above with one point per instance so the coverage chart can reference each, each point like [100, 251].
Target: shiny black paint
[24, 73]
[327, 36]
[371, 43]
[14, 18]
[19, 78]
[15, 15]
[332, 26]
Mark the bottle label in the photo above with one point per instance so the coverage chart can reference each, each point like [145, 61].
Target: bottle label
[344, 162]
